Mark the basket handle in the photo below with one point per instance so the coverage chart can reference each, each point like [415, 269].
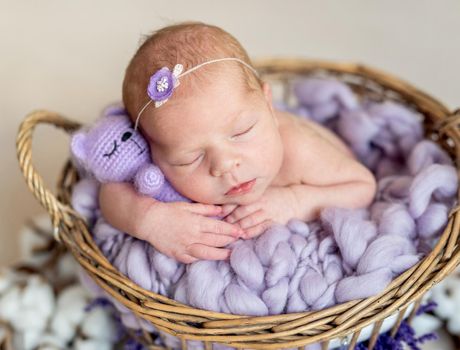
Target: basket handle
[58, 211]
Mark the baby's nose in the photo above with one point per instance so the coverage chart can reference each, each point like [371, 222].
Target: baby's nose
[224, 166]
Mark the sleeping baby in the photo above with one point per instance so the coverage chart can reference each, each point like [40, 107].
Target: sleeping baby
[213, 131]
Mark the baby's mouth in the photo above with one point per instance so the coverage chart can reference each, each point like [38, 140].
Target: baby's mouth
[242, 188]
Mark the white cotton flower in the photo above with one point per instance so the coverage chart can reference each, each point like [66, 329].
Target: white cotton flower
[36, 304]
[26, 340]
[50, 347]
[70, 311]
[426, 323]
[6, 280]
[99, 325]
[446, 305]
[62, 327]
[453, 287]
[18, 341]
[29, 319]
[92, 344]
[72, 302]
[30, 239]
[50, 341]
[30, 338]
[66, 268]
[447, 295]
[453, 324]
[9, 304]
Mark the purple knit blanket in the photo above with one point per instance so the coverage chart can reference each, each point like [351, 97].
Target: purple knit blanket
[345, 255]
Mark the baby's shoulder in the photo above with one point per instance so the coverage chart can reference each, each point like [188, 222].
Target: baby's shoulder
[292, 125]
[305, 143]
[296, 137]
[297, 134]
[301, 135]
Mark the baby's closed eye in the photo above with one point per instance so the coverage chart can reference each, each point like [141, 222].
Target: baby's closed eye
[184, 163]
[245, 131]
[190, 162]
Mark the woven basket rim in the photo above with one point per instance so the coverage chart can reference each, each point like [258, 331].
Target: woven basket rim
[263, 332]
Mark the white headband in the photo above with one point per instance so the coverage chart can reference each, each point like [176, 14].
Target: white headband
[163, 82]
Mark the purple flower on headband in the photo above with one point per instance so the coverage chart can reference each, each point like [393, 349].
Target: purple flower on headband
[163, 83]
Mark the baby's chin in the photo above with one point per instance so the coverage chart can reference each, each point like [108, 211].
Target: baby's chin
[239, 199]
[244, 199]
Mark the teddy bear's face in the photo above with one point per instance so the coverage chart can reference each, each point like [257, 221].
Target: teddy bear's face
[111, 150]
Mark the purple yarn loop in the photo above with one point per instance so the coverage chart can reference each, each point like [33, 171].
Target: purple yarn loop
[345, 255]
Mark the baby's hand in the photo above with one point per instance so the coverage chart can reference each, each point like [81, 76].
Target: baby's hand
[184, 232]
[278, 204]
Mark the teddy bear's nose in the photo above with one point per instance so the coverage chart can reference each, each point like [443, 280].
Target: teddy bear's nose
[126, 136]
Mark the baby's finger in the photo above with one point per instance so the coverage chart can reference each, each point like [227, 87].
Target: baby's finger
[186, 259]
[204, 252]
[252, 219]
[228, 209]
[204, 209]
[240, 212]
[258, 229]
[220, 227]
[213, 240]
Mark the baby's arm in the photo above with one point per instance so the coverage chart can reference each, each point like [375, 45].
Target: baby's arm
[330, 178]
[357, 193]
[180, 230]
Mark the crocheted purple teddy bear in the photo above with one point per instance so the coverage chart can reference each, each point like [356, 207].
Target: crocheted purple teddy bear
[112, 151]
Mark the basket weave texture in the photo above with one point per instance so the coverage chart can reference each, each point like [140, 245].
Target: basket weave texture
[278, 331]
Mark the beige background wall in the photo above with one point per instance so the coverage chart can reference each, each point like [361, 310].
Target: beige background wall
[69, 56]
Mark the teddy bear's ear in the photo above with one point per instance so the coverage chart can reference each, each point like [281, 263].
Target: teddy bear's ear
[114, 109]
[77, 147]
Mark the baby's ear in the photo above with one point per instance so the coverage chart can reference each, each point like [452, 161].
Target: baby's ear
[267, 91]
[77, 147]
[269, 98]
[268, 94]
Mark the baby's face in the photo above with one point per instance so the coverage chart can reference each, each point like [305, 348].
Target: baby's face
[215, 139]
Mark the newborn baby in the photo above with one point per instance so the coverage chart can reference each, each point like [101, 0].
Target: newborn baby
[213, 131]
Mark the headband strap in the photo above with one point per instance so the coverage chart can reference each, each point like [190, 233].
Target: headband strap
[163, 82]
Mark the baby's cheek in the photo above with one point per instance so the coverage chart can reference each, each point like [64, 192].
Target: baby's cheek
[195, 188]
[274, 153]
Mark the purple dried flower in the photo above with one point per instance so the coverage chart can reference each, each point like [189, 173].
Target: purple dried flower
[405, 335]
[98, 302]
[132, 344]
[428, 307]
[163, 83]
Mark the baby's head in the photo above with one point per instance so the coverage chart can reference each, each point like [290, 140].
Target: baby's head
[218, 129]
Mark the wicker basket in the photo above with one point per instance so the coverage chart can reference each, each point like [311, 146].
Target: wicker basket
[344, 321]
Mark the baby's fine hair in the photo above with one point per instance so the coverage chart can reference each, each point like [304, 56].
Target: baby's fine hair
[188, 43]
